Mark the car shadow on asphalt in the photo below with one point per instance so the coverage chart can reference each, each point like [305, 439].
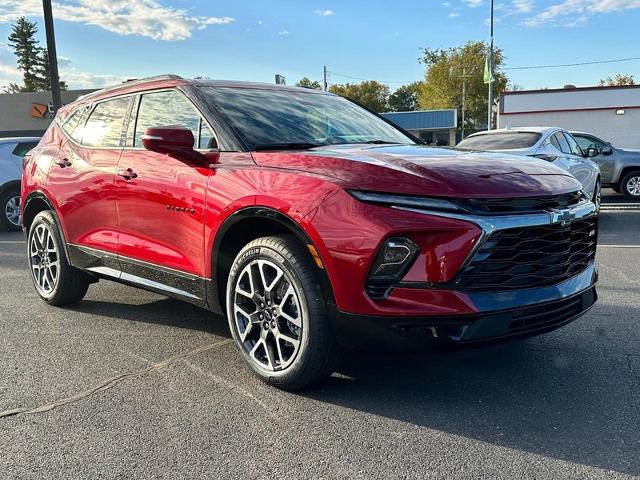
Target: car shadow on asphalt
[538, 395]
[167, 312]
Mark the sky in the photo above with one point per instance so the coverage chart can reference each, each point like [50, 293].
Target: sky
[103, 42]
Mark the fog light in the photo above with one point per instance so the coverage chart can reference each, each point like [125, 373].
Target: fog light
[394, 259]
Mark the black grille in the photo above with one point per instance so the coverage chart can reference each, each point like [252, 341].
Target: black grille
[545, 315]
[531, 257]
[521, 205]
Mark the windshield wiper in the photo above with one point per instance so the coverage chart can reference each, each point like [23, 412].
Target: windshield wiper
[286, 146]
[381, 142]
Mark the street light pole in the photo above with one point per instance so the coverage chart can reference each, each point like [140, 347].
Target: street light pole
[490, 62]
[53, 57]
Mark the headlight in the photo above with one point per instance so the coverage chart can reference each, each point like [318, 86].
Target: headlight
[392, 200]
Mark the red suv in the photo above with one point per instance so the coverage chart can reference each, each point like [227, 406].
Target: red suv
[309, 221]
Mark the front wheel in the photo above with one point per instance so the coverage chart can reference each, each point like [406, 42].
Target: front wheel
[57, 282]
[277, 314]
[597, 195]
[630, 185]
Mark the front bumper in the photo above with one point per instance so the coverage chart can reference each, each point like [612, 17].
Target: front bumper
[500, 316]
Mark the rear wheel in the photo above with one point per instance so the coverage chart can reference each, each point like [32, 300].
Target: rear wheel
[57, 282]
[277, 314]
[10, 209]
[630, 185]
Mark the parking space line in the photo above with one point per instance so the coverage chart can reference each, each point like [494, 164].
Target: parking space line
[618, 246]
[13, 242]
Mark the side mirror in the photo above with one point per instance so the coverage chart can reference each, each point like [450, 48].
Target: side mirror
[592, 152]
[606, 150]
[169, 140]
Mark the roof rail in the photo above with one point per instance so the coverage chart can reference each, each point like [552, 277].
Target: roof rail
[133, 81]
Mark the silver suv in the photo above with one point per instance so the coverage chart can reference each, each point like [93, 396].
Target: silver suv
[620, 169]
[12, 150]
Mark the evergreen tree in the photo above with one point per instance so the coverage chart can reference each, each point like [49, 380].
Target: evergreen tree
[25, 46]
[33, 60]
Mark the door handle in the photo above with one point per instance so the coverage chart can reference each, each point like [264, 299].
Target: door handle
[127, 174]
[65, 162]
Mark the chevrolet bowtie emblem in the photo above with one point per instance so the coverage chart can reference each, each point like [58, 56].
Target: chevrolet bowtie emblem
[563, 217]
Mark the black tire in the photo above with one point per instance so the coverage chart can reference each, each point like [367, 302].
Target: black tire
[70, 284]
[597, 195]
[7, 200]
[316, 351]
[631, 178]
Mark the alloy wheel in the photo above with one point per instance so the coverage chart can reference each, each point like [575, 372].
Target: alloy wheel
[597, 196]
[45, 260]
[12, 211]
[267, 315]
[633, 186]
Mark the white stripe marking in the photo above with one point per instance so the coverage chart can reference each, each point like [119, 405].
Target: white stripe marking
[618, 246]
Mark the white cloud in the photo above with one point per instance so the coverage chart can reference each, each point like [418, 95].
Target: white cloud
[146, 18]
[324, 13]
[283, 32]
[453, 15]
[522, 6]
[473, 3]
[446, 4]
[571, 13]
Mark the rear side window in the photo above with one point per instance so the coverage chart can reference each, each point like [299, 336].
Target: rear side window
[500, 141]
[104, 126]
[73, 125]
[573, 145]
[22, 148]
[171, 108]
[559, 140]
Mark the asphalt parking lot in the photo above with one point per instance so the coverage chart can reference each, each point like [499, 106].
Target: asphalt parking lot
[149, 387]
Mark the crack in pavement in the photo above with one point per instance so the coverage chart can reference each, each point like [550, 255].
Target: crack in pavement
[111, 382]
[632, 370]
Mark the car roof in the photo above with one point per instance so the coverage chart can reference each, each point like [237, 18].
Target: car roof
[169, 80]
[541, 130]
[19, 139]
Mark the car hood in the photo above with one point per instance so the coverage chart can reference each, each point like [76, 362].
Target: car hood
[428, 171]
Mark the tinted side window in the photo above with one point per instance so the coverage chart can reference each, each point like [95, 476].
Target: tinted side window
[163, 109]
[587, 142]
[23, 147]
[562, 142]
[104, 126]
[575, 148]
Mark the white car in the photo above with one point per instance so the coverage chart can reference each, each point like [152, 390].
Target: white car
[12, 150]
[548, 143]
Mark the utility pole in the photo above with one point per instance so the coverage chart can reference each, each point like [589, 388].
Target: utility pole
[53, 57]
[324, 78]
[490, 61]
[464, 94]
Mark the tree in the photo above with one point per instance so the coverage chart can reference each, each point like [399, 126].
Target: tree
[33, 60]
[43, 74]
[442, 87]
[618, 81]
[405, 98]
[25, 46]
[370, 93]
[307, 83]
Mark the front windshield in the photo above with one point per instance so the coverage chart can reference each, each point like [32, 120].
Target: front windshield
[265, 117]
[500, 141]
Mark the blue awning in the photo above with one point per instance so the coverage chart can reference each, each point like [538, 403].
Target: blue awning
[424, 119]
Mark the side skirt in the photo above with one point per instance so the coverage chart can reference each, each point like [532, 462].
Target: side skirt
[136, 273]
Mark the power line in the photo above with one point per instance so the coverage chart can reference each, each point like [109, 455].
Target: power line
[598, 62]
[365, 79]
